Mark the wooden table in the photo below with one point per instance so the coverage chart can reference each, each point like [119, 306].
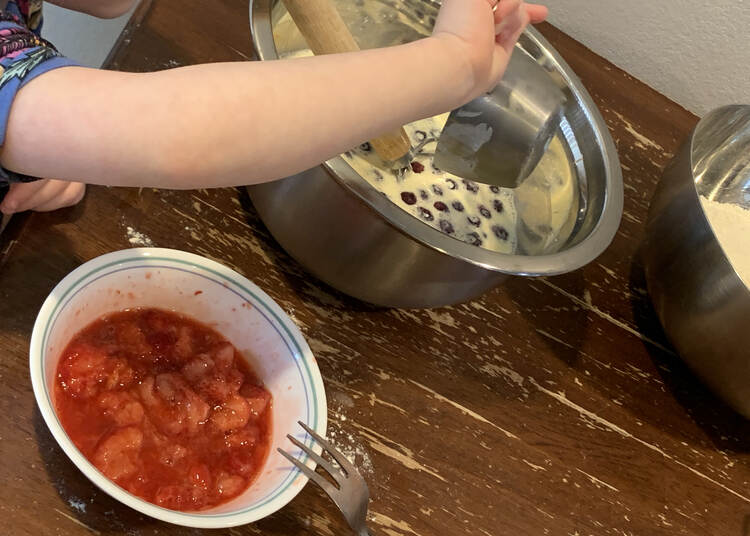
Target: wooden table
[550, 406]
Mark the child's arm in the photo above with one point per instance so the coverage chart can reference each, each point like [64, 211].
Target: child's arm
[241, 123]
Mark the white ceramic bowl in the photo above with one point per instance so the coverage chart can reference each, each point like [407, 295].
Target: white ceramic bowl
[228, 302]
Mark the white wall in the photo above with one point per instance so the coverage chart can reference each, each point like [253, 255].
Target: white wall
[81, 37]
[695, 51]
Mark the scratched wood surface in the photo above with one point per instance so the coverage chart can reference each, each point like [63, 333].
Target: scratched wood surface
[550, 406]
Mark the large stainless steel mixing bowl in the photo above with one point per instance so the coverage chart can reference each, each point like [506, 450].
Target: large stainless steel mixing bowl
[703, 304]
[349, 235]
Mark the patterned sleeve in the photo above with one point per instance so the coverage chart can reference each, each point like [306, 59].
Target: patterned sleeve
[23, 56]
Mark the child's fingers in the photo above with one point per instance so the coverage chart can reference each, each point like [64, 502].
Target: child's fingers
[43, 195]
[71, 195]
[509, 18]
[508, 38]
[509, 13]
[505, 8]
[537, 13]
[19, 194]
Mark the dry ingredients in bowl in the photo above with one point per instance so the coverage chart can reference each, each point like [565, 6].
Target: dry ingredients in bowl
[731, 223]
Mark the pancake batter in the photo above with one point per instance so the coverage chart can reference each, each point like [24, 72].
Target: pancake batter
[477, 214]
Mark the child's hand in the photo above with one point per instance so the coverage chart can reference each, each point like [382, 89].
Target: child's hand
[42, 196]
[486, 39]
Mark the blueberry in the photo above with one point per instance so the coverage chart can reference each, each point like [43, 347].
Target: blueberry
[366, 147]
[471, 186]
[408, 198]
[458, 206]
[421, 135]
[424, 195]
[437, 189]
[451, 184]
[498, 205]
[426, 214]
[495, 189]
[500, 232]
[446, 227]
[416, 167]
[442, 207]
[476, 222]
[484, 211]
[473, 239]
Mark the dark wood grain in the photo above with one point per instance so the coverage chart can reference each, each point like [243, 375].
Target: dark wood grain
[546, 407]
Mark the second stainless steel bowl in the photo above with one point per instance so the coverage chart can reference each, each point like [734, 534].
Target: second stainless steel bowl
[701, 300]
[349, 235]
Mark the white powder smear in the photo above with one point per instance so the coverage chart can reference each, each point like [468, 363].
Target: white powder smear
[731, 223]
[138, 239]
[348, 444]
[77, 504]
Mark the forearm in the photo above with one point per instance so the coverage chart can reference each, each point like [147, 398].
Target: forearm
[225, 124]
[105, 9]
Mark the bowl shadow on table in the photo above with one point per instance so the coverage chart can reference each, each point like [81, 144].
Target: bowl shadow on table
[550, 314]
[305, 285]
[727, 429]
[31, 275]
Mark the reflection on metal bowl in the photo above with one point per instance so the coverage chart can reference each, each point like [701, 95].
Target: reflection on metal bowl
[343, 229]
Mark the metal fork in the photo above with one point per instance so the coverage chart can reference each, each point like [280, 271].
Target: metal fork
[350, 494]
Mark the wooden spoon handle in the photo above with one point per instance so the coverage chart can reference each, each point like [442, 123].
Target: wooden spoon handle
[321, 25]
[326, 32]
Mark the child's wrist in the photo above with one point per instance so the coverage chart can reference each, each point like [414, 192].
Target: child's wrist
[457, 65]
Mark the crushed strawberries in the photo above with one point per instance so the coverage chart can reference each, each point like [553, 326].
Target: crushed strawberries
[165, 407]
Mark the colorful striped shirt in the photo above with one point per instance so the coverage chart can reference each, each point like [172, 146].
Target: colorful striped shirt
[24, 55]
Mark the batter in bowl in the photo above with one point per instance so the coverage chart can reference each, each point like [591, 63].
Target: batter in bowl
[478, 214]
[533, 219]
